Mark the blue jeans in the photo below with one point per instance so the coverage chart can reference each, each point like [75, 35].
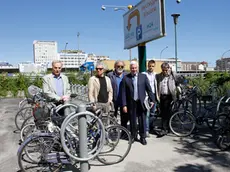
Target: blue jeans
[150, 117]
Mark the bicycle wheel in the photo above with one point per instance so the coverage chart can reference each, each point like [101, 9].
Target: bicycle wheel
[22, 115]
[108, 120]
[117, 145]
[182, 123]
[33, 154]
[29, 120]
[25, 103]
[30, 129]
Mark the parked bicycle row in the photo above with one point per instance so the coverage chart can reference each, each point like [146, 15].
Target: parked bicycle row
[50, 134]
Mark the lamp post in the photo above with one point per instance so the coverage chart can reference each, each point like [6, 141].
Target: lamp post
[223, 57]
[117, 8]
[175, 20]
[78, 35]
[163, 51]
[65, 55]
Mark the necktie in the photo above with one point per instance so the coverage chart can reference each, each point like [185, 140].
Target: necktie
[135, 96]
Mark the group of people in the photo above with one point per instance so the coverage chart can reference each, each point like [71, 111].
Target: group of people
[127, 92]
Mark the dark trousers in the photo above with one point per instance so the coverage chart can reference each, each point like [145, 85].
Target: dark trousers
[165, 101]
[137, 112]
[124, 116]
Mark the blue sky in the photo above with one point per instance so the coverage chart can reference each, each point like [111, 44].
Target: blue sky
[203, 28]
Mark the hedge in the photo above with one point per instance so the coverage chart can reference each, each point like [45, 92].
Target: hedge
[16, 86]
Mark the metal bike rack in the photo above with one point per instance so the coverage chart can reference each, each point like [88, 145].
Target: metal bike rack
[83, 139]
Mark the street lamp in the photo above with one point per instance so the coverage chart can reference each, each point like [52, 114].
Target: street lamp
[78, 35]
[175, 19]
[223, 57]
[65, 54]
[162, 51]
[117, 8]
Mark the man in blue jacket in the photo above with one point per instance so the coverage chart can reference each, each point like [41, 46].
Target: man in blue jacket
[134, 88]
[116, 77]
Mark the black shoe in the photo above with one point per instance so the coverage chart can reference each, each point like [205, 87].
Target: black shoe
[143, 141]
[161, 134]
[134, 139]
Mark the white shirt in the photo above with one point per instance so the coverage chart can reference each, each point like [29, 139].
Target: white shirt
[151, 76]
[164, 89]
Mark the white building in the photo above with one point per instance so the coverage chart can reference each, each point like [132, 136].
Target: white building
[95, 58]
[45, 51]
[171, 62]
[72, 60]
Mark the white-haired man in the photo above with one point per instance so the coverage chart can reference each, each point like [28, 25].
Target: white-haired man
[100, 88]
[134, 88]
[56, 86]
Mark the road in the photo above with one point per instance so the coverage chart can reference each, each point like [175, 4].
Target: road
[166, 154]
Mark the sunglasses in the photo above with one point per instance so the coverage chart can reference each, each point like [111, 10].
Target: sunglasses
[120, 67]
[99, 68]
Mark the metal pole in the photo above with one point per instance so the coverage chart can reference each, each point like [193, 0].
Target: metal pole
[175, 46]
[130, 55]
[65, 55]
[83, 139]
[78, 34]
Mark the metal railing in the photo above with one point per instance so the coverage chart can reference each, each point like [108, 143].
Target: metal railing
[81, 91]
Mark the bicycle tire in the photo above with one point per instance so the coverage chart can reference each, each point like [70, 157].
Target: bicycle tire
[18, 115]
[189, 115]
[128, 140]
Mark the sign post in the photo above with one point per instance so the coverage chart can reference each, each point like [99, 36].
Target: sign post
[143, 23]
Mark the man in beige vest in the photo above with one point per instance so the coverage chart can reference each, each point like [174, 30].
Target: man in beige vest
[100, 88]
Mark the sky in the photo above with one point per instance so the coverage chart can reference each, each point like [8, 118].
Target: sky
[203, 30]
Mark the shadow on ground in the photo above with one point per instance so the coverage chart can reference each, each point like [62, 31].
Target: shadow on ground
[203, 146]
[193, 168]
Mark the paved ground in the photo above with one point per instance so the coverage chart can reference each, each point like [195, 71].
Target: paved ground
[167, 154]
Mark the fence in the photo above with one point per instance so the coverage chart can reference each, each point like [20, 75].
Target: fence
[81, 91]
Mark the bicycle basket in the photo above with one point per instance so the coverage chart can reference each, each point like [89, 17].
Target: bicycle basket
[34, 90]
[41, 113]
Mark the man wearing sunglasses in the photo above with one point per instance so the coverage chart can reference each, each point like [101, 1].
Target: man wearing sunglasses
[116, 77]
[100, 88]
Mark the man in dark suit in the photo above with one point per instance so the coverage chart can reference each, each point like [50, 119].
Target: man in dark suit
[134, 88]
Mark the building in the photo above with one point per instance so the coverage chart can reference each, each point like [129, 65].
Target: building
[223, 64]
[45, 51]
[5, 64]
[170, 61]
[95, 58]
[29, 67]
[72, 59]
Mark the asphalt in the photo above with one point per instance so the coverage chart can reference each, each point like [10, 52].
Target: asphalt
[196, 153]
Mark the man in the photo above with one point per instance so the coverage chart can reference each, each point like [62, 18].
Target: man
[116, 77]
[134, 88]
[100, 88]
[152, 80]
[56, 86]
[166, 86]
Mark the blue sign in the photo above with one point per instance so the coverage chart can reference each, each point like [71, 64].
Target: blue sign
[139, 32]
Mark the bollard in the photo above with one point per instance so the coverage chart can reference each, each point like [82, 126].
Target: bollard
[83, 139]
